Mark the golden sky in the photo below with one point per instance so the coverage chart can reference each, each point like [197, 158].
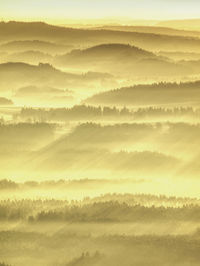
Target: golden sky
[90, 9]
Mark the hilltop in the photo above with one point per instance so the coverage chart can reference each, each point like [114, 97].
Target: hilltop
[121, 59]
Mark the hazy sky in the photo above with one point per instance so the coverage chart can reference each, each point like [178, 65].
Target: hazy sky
[134, 9]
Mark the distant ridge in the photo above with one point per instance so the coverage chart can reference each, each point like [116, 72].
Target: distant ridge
[34, 45]
[153, 30]
[88, 37]
[188, 24]
[29, 57]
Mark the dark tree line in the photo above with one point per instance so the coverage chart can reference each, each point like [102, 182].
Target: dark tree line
[83, 112]
[99, 212]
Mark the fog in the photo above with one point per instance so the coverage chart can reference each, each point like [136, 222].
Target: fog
[99, 145]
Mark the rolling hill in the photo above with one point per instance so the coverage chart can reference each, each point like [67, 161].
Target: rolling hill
[178, 56]
[188, 24]
[29, 57]
[154, 30]
[153, 94]
[87, 37]
[111, 51]
[16, 75]
[44, 95]
[34, 45]
[85, 149]
[121, 59]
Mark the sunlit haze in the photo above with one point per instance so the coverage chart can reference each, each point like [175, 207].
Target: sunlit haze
[61, 10]
[99, 132]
